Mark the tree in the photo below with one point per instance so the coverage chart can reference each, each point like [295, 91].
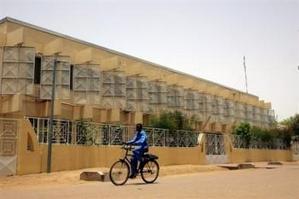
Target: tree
[243, 130]
[249, 133]
[292, 124]
[171, 120]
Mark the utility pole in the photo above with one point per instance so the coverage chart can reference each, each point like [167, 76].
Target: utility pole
[51, 117]
[244, 64]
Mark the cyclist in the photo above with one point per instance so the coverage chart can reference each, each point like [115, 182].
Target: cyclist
[140, 140]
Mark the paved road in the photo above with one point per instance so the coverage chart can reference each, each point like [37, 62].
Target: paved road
[282, 182]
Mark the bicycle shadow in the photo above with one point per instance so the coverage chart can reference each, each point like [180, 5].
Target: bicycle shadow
[141, 183]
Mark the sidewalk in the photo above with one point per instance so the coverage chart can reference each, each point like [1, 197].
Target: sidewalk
[73, 177]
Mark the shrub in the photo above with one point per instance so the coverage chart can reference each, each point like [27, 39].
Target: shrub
[171, 120]
[250, 133]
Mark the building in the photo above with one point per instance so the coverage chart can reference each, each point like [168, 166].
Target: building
[104, 86]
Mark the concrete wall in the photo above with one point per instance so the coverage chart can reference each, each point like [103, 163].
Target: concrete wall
[256, 155]
[32, 156]
[28, 151]
[70, 157]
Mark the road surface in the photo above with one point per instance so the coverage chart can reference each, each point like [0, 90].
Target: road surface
[281, 182]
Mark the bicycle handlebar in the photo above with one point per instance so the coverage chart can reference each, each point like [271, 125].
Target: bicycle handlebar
[127, 146]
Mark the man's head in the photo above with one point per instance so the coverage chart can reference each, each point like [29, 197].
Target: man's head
[138, 127]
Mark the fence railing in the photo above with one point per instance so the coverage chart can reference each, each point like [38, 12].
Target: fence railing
[295, 145]
[240, 142]
[90, 133]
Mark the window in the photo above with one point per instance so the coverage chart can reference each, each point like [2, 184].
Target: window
[37, 69]
[71, 77]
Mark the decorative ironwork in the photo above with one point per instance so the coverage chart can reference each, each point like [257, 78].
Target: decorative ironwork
[186, 138]
[62, 130]
[215, 144]
[8, 146]
[240, 142]
[156, 136]
[90, 133]
[8, 137]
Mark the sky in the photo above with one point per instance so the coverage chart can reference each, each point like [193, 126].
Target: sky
[205, 38]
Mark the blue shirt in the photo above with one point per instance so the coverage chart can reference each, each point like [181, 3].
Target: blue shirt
[140, 139]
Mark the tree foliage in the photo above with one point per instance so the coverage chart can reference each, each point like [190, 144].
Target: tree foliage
[249, 133]
[172, 120]
[292, 124]
[243, 130]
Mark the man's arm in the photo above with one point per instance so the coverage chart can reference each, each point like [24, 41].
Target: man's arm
[133, 140]
[142, 138]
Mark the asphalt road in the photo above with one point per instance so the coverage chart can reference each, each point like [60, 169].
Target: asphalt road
[281, 182]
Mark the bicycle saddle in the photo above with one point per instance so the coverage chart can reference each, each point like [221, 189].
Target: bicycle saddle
[150, 156]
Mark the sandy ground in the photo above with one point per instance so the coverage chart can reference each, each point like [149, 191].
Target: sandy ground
[73, 177]
[193, 182]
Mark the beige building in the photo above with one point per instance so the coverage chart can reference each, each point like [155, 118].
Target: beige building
[113, 91]
[106, 86]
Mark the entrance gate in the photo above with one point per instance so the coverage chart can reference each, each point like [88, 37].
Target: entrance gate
[215, 148]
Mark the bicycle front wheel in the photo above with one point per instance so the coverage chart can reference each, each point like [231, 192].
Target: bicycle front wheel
[150, 171]
[119, 172]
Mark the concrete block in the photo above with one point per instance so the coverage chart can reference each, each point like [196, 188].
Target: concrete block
[246, 166]
[274, 163]
[94, 176]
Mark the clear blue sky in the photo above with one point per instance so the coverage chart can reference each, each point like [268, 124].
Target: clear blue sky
[204, 38]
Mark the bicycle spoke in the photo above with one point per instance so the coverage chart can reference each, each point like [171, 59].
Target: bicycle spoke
[150, 171]
[119, 173]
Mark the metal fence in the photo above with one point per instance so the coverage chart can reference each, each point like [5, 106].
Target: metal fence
[90, 133]
[215, 144]
[240, 142]
[295, 145]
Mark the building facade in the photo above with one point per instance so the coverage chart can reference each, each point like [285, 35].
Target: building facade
[105, 86]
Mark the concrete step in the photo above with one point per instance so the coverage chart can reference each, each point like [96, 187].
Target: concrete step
[94, 176]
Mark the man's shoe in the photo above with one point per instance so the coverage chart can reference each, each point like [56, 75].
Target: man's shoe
[132, 176]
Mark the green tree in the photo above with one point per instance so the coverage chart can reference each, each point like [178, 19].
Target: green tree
[292, 123]
[261, 134]
[243, 130]
[171, 120]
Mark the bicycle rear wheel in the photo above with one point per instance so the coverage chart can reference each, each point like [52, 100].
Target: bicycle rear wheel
[119, 172]
[150, 171]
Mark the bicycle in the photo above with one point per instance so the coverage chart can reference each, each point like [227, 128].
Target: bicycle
[148, 168]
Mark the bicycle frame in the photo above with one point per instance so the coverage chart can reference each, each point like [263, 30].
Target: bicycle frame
[126, 159]
[141, 169]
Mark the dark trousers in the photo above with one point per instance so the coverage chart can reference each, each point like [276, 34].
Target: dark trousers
[137, 154]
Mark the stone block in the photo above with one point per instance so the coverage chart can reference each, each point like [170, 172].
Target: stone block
[94, 176]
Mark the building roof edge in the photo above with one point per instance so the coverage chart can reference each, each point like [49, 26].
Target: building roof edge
[16, 21]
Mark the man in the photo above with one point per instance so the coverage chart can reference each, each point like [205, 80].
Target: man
[140, 140]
